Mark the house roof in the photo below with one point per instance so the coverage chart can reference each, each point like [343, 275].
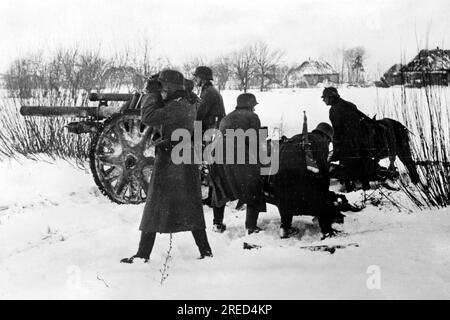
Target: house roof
[429, 60]
[311, 67]
[394, 70]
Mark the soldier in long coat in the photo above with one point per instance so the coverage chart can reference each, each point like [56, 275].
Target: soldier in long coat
[210, 111]
[174, 201]
[353, 136]
[299, 191]
[241, 181]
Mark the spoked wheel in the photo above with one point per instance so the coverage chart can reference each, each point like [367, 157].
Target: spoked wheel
[122, 157]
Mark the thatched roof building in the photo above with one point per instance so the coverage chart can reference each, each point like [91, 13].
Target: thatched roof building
[429, 67]
[312, 72]
[393, 76]
[429, 61]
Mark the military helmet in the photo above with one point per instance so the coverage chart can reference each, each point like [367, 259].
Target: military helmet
[171, 79]
[330, 92]
[326, 129]
[246, 100]
[203, 73]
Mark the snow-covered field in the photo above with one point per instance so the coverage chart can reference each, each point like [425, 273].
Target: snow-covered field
[60, 238]
[285, 106]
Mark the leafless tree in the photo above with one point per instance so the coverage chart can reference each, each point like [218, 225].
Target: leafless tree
[120, 72]
[266, 61]
[222, 70]
[93, 69]
[334, 56]
[190, 66]
[243, 66]
[142, 63]
[282, 73]
[20, 79]
[72, 72]
[354, 59]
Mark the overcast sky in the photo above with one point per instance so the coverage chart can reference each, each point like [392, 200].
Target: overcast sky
[181, 30]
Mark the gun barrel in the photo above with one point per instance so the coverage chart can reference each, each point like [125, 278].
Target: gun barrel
[110, 96]
[62, 111]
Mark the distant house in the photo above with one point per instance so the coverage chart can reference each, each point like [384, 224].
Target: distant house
[312, 72]
[393, 76]
[429, 67]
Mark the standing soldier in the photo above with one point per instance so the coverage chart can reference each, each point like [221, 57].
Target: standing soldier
[210, 112]
[241, 181]
[352, 137]
[174, 201]
[211, 109]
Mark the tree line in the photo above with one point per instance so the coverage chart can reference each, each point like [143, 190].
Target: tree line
[70, 74]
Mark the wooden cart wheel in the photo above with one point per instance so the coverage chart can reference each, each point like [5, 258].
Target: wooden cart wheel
[122, 156]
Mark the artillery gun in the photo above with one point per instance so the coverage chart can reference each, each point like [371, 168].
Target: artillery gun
[122, 152]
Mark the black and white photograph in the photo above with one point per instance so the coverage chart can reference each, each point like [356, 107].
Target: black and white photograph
[224, 151]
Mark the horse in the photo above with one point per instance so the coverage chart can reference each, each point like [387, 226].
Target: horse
[392, 140]
[388, 138]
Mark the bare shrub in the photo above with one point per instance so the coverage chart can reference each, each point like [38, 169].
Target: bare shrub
[425, 113]
[63, 79]
[32, 137]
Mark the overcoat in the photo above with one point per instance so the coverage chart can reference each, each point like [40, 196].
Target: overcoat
[352, 131]
[174, 201]
[297, 190]
[210, 108]
[239, 181]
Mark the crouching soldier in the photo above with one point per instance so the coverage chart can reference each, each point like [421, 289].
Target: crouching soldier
[235, 181]
[174, 201]
[299, 191]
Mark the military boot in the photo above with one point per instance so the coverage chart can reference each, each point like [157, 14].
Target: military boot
[131, 259]
[252, 230]
[201, 240]
[145, 248]
[219, 227]
[287, 232]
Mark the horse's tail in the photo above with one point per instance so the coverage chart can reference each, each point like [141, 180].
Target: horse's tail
[403, 146]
